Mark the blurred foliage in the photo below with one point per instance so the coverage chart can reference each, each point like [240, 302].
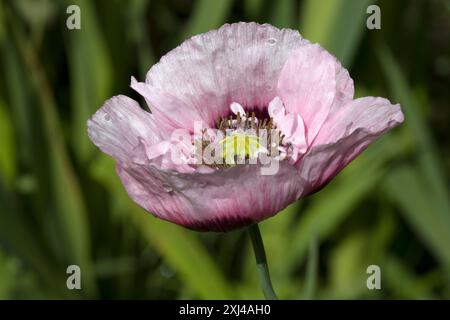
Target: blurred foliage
[61, 203]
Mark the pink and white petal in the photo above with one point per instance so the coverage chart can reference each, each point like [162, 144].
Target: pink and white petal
[118, 127]
[276, 110]
[236, 63]
[291, 125]
[344, 137]
[217, 201]
[324, 162]
[287, 124]
[169, 112]
[372, 114]
[345, 89]
[236, 108]
[310, 83]
[298, 137]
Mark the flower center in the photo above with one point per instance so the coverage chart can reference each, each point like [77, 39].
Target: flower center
[241, 139]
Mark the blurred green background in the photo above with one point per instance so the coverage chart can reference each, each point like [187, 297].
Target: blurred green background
[61, 202]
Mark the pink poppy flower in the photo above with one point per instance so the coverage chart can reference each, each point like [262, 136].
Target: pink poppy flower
[241, 77]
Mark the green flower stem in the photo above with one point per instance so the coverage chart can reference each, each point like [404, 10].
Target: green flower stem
[261, 262]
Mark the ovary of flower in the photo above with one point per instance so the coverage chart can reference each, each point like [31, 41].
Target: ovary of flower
[241, 145]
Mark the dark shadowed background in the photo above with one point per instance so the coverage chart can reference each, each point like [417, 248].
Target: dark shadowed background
[62, 204]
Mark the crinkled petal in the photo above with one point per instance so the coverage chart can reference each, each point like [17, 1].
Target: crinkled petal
[217, 201]
[169, 112]
[237, 63]
[374, 115]
[345, 89]
[290, 124]
[344, 136]
[236, 108]
[276, 110]
[311, 82]
[118, 127]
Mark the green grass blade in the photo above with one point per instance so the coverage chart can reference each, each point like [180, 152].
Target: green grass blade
[283, 14]
[8, 166]
[407, 189]
[186, 254]
[67, 197]
[7, 273]
[179, 247]
[328, 210]
[207, 15]
[331, 205]
[427, 154]
[253, 8]
[347, 266]
[312, 269]
[337, 25]
[2, 26]
[90, 74]
[138, 33]
[21, 239]
[403, 282]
